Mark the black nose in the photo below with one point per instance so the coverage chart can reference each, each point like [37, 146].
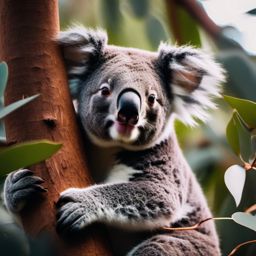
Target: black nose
[128, 105]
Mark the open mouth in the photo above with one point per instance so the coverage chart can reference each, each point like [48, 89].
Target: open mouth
[123, 132]
[124, 129]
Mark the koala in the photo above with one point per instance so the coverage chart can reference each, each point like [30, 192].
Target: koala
[127, 102]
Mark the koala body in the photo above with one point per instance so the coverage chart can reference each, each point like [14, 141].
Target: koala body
[127, 101]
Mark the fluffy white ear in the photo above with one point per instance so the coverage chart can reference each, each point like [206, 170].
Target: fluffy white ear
[194, 80]
[82, 49]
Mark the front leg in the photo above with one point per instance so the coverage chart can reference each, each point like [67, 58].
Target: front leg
[138, 205]
[20, 188]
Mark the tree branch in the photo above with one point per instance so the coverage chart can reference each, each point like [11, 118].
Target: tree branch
[27, 31]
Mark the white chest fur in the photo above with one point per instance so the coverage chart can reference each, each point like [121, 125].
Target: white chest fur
[121, 173]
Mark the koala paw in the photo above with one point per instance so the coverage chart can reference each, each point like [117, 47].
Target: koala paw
[74, 211]
[21, 186]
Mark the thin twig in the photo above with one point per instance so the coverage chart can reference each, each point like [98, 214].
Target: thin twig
[240, 245]
[254, 163]
[196, 225]
[247, 166]
[251, 209]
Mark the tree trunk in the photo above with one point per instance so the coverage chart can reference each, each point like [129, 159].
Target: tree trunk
[27, 29]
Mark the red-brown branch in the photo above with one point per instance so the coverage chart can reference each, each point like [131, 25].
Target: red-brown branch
[27, 31]
[235, 250]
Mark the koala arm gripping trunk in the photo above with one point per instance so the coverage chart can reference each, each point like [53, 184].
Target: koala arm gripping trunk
[134, 205]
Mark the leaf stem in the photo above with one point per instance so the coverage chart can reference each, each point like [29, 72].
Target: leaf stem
[251, 209]
[240, 245]
[196, 225]
[254, 163]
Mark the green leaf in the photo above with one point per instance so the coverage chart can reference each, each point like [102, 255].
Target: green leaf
[26, 154]
[74, 87]
[183, 26]
[155, 31]
[245, 219]
[2, 130]
[139, 8]
[229, 38]
[239, 137]
[253, 143]
[111, 14]
[244, 138]
[252, 12]
[235, 179]
[241, 70]
[232, 135]
[3, 77]
[10, 108]
[245, 108]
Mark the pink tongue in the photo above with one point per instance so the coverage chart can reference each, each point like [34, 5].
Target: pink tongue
[124, 129]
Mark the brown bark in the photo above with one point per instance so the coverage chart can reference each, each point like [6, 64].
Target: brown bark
[26, 31]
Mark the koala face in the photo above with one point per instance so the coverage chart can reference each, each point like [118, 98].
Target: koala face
[123, 101]
[126, 97]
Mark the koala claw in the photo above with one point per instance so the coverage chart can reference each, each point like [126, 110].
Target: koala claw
[70, 217]
[20, 186]
[73, 211]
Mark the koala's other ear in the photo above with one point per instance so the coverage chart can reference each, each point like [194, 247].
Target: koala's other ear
[193, 80]
[82, 48]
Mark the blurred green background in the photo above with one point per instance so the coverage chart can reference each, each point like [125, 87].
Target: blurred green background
[218, 26]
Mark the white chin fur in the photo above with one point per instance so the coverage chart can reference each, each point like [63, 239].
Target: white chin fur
[115, 135]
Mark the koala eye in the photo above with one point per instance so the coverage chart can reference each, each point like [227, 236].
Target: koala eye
[105, 90]
[151, 99]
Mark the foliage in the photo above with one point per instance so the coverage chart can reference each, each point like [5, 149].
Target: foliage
[240, 132]
[26, 154]
[245, 219]
[12, 239]
[182, 25]
[23, 154]
[206, 148]
[3, 82]
[12, 107]
[235, 180]
[245, 108]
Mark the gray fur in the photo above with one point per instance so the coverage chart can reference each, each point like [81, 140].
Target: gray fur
[152, 198]
[148, 184]
[19, 187]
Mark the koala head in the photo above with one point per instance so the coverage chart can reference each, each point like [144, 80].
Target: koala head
[127, 97]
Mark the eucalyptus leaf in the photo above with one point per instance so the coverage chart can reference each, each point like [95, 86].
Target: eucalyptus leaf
[241, 72]
[253, 143]
[26, 154]
[245, 108]
[232, 135]
[74, 86]
[2, 130]
[12, 107]
[183, 26]
[252, 12]
[245, 219]
[111, 14]
[229, 38]
[235, 179]
[155, 31]
[139, 8]
[239, 137]
[244, 139]
[3, 77]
